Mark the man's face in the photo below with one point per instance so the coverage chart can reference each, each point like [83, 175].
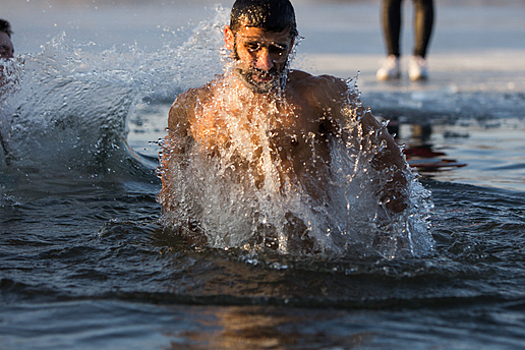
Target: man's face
[6, 46]
[260, 55]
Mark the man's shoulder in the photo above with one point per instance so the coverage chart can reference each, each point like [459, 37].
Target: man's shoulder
[302, 80]
[182, 110]
[190, 96]
[302, 76]
[321, 88]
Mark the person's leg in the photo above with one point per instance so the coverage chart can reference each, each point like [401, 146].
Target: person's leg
[423, 23]
[391, 18]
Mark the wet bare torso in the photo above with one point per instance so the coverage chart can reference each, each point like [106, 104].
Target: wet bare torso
[292, 132]
[294, 128]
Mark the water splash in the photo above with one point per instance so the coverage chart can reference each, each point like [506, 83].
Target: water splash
[66, 116]
[66, 109]
[231, 189]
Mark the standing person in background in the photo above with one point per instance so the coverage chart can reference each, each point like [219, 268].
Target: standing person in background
[423, 22]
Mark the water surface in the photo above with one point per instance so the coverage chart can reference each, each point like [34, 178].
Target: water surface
[85, 263]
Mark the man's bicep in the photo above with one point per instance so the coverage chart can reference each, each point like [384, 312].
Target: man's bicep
[179, 119]
[333, 91]
[392, 164]
[390, 153]
[348, 116]
[179, 115]
[339, 102]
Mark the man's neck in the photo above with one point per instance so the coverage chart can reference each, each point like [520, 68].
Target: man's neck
[234, 82]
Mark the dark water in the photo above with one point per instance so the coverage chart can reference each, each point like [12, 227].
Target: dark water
[85, 264]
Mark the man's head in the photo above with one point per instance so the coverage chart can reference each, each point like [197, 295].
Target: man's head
[270, 15]
[261, 35]
[6, 46]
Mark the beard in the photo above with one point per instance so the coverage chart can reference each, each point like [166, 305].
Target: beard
[258, 80]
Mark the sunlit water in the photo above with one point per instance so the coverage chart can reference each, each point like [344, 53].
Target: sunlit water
[85, 262]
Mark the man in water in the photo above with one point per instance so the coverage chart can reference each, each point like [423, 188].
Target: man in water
[6, 46]
[6, 52]
[281, 122]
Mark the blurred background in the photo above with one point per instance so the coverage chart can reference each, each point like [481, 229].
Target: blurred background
[475, 94]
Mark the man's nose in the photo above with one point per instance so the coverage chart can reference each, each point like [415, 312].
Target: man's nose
[264, 60]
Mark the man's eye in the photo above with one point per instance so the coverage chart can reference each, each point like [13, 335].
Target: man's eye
[253, 47]
[278, 49]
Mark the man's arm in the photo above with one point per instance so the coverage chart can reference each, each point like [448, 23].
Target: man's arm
[389, 161]
[181, 113]
[175, 144]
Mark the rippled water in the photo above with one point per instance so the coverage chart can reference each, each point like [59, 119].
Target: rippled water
[88, 266]
[85, 264]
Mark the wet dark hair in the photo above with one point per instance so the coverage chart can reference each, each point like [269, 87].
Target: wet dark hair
[270, 15]
[5, 27]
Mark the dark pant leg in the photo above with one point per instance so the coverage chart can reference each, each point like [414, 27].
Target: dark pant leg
[423, 22]
[391, 18]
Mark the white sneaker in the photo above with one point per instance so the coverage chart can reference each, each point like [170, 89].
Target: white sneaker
[417, 68]
[389, 69]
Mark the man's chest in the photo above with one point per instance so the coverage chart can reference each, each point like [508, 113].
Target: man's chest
[288, 127]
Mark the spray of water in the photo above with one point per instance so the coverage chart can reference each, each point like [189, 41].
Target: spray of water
[233, 187]
[65, 115]
[65, 110]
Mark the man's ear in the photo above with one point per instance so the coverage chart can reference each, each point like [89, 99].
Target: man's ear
[229, 38]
